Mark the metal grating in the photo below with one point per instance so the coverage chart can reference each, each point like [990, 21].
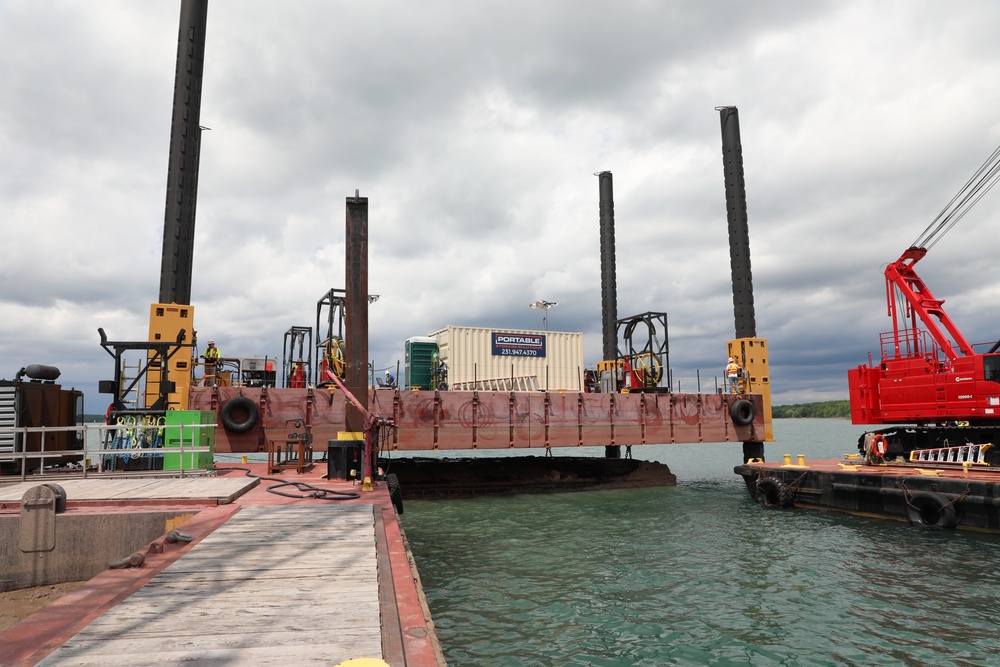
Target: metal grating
[8, 418]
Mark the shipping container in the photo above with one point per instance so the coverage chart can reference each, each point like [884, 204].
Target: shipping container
[511, 359]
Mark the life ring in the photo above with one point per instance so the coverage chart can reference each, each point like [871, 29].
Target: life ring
[246, 411]
[931, 510]
[742, 412]
[879, 445]
[772, 492]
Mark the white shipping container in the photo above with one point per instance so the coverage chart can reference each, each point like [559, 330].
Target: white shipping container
[511, 359]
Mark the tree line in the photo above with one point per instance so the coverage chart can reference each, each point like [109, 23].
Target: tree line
[824, 409]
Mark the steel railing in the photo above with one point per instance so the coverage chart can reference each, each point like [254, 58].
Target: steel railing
[112, 440]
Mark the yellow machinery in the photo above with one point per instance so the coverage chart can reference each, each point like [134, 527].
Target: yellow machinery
[165, 322]
[608, 365]
[751, 353]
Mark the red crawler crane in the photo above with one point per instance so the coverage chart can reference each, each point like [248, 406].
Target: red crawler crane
[930, 382]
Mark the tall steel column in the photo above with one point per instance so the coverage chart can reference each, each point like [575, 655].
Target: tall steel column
[609, 287]
[739, 250]
[182, 169]
[739, 235]
[356, 309]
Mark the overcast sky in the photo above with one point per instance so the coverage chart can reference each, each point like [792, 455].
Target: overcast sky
[475, 130]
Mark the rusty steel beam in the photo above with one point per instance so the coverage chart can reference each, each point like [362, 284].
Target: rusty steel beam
[739, 235]
[356, 309]
[177, 255]
[609, 287]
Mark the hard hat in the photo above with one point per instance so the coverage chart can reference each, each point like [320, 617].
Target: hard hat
[731, 359]
[212, 342]
[387, 373]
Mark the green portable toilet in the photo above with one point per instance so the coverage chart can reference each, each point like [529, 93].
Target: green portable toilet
[420, 351]
[181, 424]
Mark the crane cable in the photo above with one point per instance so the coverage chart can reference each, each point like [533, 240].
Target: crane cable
[975, 189]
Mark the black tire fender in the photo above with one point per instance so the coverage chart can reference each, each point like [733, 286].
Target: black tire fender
[395, 491]
[772, 492]
[931, 510]
[246, 411]
[742, 412]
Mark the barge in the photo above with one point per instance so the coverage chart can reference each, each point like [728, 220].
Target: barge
[935, 398]
[924, 493]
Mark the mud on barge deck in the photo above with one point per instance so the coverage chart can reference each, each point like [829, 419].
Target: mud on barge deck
[932, 495]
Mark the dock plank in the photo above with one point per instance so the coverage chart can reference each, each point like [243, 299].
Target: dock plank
[222, 489]
[275, 585]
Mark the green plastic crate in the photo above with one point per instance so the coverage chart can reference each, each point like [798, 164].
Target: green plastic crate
[202, 437]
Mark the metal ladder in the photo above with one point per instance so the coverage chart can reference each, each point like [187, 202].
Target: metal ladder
[975, 454]
[517, 383]
[132, 398]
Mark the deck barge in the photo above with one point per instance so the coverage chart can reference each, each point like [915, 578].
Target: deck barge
[265, 579]
[923, 493]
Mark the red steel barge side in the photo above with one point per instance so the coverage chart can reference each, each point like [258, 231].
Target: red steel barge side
[251, 417]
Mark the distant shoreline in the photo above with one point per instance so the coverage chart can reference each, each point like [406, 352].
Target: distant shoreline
[824, 409]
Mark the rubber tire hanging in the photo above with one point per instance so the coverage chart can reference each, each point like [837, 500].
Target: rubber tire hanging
[742, 412]
[395, 491]
[931, 510]
[772, 492]
[243, 407]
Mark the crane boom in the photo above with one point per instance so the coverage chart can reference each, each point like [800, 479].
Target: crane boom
[921, 303]
[930, 389]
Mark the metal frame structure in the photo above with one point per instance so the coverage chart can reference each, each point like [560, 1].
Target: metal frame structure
[296, 349]
[645, 365]
[333, 302]
[157, 355]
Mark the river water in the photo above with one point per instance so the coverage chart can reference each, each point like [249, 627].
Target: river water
[698, 574]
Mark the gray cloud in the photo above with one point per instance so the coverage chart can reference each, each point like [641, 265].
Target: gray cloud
[474, 129]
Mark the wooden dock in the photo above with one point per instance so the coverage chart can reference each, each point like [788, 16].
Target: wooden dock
[273, 586]
[267, 580]
[221, 490]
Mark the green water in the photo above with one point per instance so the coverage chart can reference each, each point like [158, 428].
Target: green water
[700, 575]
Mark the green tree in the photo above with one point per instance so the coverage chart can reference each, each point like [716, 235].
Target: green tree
[825, 409]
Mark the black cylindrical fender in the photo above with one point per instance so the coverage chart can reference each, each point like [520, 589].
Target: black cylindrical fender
[245, 418]
[742, 412]
[931, 510]
[772, 492]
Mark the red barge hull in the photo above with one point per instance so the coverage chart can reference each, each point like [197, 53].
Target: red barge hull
[462, 420]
